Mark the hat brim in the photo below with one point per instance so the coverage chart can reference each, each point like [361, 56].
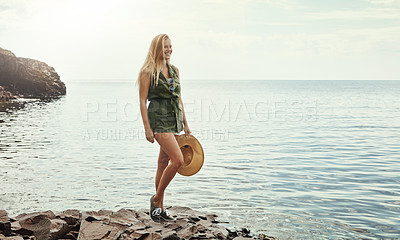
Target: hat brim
[193, 155]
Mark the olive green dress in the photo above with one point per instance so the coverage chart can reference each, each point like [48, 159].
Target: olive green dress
[165, 110]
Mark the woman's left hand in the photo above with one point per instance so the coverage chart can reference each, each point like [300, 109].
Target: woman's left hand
[187, 130]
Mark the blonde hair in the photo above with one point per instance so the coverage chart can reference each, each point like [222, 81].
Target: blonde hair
[155, 59]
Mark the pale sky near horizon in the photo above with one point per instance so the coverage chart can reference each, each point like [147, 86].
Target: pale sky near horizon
[211, 39]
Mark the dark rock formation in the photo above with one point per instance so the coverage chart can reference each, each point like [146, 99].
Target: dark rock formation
[124, 224]
[5, 96]
[28, 78]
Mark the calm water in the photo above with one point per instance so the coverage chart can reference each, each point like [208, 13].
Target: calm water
[292, 159]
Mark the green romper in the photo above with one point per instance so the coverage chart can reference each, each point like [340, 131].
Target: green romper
[165, 110]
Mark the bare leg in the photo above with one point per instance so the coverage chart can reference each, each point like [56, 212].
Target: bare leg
[163, 160]
[169, 146]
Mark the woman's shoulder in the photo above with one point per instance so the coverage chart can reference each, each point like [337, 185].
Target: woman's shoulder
[175, 68]
[145, 76]
[145, 71]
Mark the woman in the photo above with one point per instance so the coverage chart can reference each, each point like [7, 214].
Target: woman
[164, 118]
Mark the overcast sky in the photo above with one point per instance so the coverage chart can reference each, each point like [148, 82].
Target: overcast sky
[211, 39]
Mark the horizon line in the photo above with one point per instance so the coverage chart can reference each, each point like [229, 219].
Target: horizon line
[134, 80]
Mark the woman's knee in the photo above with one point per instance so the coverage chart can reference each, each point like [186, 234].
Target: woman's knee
[163, 161]
[177, 161]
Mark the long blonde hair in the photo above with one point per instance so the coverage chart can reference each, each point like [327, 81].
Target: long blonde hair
[155, 59]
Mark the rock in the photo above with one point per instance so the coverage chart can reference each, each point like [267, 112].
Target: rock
[5, 228]
[15, 226]
[28, 77]
[5, 96]
[59, 228]
[23, 231]
[265, 237]
[2, 237]
[169, 235]
[124, 224]
[219, 231]
[123, 218]
[5, 224]
[97, 230]
[49, 214]
[240, 238]
[72, 235]
[37, 223]
[142, 215]
[70, 216]
[3, 214]
[187, 232]
[137, 226]
[105, 224]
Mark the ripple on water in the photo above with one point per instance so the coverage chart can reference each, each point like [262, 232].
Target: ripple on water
[331, 175]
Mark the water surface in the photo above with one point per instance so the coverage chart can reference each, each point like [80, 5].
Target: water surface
[291, 159]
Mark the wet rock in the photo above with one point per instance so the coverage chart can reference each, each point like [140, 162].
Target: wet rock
[28, 77]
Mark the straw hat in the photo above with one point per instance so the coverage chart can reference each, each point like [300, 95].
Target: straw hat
[193, 155]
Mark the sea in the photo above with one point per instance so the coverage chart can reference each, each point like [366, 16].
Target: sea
[288, 159]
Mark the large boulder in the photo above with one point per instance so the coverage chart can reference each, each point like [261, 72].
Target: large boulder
[29, 78]
[37, 224]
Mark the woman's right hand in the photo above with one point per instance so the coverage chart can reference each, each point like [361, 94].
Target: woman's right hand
[149, 135]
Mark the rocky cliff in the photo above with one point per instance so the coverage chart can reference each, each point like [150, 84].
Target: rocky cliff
[28, 78]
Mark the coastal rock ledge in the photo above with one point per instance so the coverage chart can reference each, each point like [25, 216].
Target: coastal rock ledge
[27, 78]
[123, 224]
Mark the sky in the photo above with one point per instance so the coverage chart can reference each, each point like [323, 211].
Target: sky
[211, 39]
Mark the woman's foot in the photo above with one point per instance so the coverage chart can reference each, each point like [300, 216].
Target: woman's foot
[155, 212]
[157, 202]
[167, 216]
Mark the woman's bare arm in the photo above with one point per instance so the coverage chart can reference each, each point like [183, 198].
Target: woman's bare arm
[143, 92]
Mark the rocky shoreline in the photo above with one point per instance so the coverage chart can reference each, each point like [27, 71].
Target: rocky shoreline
[27, 78]
[124, 224]
[6, 96]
